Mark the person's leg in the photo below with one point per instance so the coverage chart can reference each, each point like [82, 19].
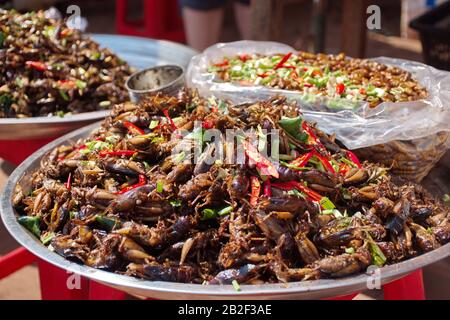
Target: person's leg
[243, 16]
[202, 22]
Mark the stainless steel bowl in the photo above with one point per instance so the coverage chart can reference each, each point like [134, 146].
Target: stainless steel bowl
[166, 79]
[139, 52]
[168, 290]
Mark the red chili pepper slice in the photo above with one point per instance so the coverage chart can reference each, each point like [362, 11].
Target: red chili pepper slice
[283, 60]
[142, 181]
[66, 84]
[302, 160]
[118, 153]
[37, 65]
[132, 128]
[65, 32]
[340, 88]
[267, 188]
[312, 135]
[290, 185]
[353, 158]
[362, 91]
[69, 181]
[222, 64]
[172, 124]
[207, 124]
[316, 73]
[326, 163]
[256, 189]
[264, 165]
[308, 85]
[343, 168]
[263, 75]
[244, 57]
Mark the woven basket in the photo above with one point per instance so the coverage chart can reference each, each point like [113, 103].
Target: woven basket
[411, 159]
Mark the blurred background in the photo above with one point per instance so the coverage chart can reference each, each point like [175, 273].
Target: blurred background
[312, 25]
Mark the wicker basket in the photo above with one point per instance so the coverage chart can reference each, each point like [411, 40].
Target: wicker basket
[411, 159]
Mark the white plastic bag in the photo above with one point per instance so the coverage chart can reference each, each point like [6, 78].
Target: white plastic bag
[357, 127]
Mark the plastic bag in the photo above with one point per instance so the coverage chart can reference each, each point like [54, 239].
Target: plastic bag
[357, 126]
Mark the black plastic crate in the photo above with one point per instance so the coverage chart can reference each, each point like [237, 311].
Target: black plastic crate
[434, 29]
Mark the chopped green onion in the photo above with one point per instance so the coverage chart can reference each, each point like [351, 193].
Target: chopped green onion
[326, 203]
[378, 257]
[60, 113]
[47, 237]
[293, 127]
[80, 84]
[236, 285]
[159, 186]
[175, 203]
[446, 198]
[350, 250]
[153, 124]
[64, 95]
[208, 214]
[225, 211]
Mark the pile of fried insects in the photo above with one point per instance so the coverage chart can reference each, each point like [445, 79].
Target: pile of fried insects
[121, 200]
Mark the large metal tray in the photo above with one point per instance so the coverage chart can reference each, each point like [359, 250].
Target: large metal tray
[139, 52]
[166, 290]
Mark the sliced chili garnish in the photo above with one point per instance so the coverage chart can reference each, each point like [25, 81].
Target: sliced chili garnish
[264, 165]
[207, 124]
[142, 181]
[37, 65]
[283, 60]
[307, 84]
[118, 153]
[256, 190]
[244, 57]
[172, 124]
[343, 168]
[66, 84]
[132, 128]
[69, 181]
[65, 32]
[326, 163]
[222, 64]
[340, 88]
[263, 75]
[362, 91]
[312, 135]
[291, 185]
[267, 188]
[353, 158]
[302, 160]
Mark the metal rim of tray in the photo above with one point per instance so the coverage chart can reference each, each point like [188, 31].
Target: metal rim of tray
[158, 289]
[141, 53]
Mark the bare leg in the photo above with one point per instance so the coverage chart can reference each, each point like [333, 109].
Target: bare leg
[202, 27]
[243, 16]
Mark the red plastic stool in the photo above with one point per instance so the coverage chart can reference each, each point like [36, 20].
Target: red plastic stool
[15, 151]
[161, 20]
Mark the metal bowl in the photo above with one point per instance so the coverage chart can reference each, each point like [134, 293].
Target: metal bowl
[139, 52]
[166, 79]
[169, 290]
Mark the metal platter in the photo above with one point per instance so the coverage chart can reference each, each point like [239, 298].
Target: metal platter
[168, 290]
[139, 52]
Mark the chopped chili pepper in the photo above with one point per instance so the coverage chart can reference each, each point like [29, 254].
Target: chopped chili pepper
[307, 84]
[326, 163]
[207, 124]
[312, 136]
[263, 75]
[316, 73]
[353, 158]
[172, 124]
[66, 84]
[290, 185]
[37, 65]
[362, 91]
[98, 139]
[214, 109]
[65, 32]
[267, 188]
[264, 165]
[222, 64]
[117, 153]
[244, 57]
[142, 181]
[132, 128]
[69, 181]
[302, 160]
[340, 88]
[343, 168]
[283, 60]
[256, 189]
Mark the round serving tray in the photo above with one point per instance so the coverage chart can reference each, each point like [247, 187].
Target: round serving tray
[167, 290]
[139, 52]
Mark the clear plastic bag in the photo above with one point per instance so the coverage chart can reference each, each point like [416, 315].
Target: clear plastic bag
[356, 126]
